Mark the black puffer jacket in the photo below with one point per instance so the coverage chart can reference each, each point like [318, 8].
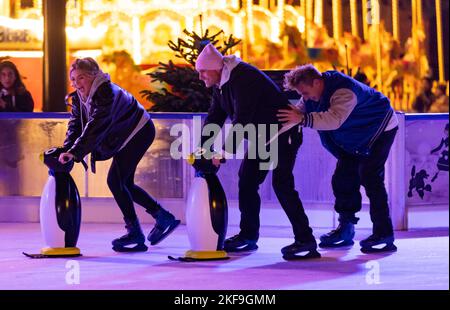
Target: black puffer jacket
[113, 115]
[22, 102]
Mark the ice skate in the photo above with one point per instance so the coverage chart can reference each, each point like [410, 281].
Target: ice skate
[340, 237]
[238, 244]
[300, 250]
[134, 237]
[369, 245]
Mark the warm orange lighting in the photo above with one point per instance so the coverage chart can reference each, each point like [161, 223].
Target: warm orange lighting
[22, 54]
[395, 20]
[318, 12]
[337, 19]
[439, 42]
[354, 18]
[87, 53]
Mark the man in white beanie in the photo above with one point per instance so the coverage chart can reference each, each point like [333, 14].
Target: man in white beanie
[247, 96]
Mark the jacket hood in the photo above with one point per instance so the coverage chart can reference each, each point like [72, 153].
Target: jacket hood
[229, 63]
[100, 78]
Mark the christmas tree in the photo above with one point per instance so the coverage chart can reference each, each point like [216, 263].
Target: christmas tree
[182, 89]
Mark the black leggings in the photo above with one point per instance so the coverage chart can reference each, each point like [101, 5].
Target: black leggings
[122, 170]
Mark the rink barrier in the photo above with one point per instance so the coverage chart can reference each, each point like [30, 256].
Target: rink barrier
[24, 135]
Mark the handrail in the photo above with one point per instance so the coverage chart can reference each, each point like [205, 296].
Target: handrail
[64, 115]
[182, 115]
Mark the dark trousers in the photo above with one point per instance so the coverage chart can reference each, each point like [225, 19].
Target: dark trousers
[251, 177]
[352, 172]
[122, 170]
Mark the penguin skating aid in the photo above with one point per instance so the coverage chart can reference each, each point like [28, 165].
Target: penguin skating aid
[206, 213]
[60, 209]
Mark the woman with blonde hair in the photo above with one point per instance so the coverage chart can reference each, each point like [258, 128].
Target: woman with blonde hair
[108, 122]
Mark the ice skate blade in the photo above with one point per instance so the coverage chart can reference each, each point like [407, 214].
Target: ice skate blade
[248, 249]
[56, 252]
[386, 249]
[310, 255]
[34, 256]
[336, 245]
[137, 248]
[186, 259]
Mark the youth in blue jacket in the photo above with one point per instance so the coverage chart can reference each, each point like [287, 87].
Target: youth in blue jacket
[357, 125]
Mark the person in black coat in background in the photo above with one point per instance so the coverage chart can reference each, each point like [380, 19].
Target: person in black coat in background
[14, 97]
[248, 97]
[108, 122]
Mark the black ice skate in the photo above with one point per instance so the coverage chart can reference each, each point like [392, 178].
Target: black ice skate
[300, 250]
[165, 224]
[238, 244]
[339, 237]
[369, 244]
[133, 237]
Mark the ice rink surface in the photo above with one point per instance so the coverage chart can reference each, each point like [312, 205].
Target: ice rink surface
[421, 263]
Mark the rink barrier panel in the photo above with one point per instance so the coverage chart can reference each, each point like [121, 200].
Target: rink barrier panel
[22, 176]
